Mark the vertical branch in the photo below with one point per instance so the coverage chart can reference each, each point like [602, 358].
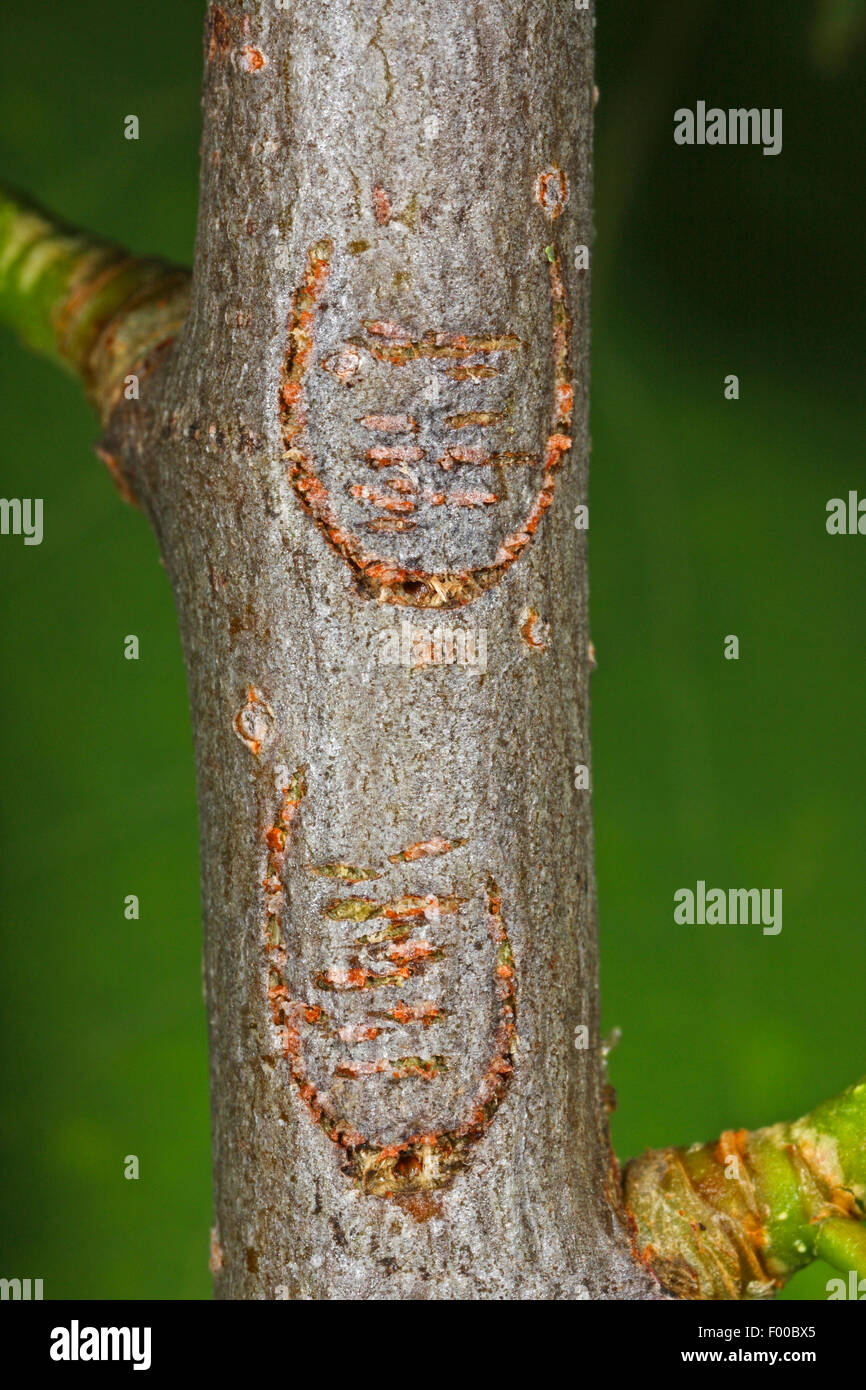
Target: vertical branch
[363, 471]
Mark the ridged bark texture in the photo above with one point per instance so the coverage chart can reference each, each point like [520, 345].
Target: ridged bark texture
[362, 458]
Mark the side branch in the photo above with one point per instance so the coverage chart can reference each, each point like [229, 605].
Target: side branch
[736, 1218]
[83, 301]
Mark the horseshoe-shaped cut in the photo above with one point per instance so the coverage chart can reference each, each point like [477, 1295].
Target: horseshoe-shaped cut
[318, 1029]
[391, 480]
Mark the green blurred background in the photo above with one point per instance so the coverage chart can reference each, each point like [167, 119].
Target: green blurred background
[707, 519]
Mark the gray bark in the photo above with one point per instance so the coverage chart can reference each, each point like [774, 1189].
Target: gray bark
[392, 197]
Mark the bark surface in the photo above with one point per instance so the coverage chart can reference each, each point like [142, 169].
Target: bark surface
[373, 426]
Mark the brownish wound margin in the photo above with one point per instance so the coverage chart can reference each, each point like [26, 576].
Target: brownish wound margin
[377, 577]
[420, 1161]
[119, 310]
[710, 1249]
